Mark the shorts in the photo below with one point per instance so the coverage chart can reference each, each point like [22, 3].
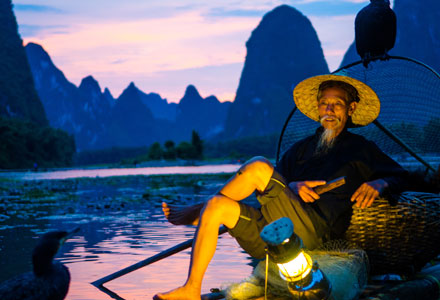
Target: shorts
[276, 201]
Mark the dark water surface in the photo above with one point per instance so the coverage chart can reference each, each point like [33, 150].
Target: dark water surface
[120, 222]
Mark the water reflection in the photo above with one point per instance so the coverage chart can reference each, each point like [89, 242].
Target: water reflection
[119, 227]
[91, 173]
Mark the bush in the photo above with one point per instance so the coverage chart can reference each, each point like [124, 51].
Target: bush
[24, 144]
[110, 156]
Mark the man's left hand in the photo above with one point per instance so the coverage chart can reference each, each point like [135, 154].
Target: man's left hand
[368, 192]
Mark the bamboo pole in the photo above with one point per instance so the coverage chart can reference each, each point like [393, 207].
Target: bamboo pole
[164, 254]
[402, 144]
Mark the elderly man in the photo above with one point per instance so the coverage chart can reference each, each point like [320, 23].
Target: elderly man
[337, 102]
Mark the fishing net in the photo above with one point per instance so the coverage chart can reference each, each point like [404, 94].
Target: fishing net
[404, 237]
[410, 109]
[345, 268]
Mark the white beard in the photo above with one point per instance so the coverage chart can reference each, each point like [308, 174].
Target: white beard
[327, 138]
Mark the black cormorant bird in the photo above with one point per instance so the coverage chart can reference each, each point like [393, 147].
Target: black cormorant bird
[49, 280]
[375, 30]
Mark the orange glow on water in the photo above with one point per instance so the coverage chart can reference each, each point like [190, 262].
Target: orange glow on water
[228, 265]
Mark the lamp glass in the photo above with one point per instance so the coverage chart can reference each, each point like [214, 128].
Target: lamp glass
[296, 269]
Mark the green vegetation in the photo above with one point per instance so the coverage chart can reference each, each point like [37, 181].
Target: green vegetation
[197, 149]
[185, 151]
[108, 156]
[24, 144]
[244, 148]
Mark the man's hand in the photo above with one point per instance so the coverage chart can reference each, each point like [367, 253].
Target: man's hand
[304, 189]
[368, 192]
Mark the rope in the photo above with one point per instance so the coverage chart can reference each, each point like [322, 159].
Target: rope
[266, 273]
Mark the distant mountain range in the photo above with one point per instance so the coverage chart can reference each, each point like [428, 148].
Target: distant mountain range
[283, 50]
[97, 120]
[274, 63]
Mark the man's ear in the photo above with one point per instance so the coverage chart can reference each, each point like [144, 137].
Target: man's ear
[352, 108]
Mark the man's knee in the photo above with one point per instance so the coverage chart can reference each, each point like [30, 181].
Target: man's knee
[225, 210]
[257, 171]
[257, 165]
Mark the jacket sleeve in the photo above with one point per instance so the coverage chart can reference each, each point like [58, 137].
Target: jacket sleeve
[384, 167]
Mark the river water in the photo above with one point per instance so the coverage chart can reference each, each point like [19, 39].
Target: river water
[120, 222]
[108, 172]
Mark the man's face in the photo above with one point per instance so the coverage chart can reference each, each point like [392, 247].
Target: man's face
[334, 110]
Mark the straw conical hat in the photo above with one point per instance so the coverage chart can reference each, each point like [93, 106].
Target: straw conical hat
[305, 97]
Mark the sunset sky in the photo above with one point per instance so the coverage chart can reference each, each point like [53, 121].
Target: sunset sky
[163, 46]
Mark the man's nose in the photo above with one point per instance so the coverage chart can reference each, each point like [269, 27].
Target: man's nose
[330, 107]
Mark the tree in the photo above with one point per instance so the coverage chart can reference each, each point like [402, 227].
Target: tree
[197, 143]
[170, 150]
[186, 150]
[23, 144]
[155, 152]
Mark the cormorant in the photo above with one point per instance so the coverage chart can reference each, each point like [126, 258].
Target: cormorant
[375, 30]
[49, 280]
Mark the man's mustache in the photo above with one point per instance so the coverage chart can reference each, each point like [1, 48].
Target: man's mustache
[325, 117]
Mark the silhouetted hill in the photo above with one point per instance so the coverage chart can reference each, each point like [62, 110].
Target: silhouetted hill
[56, 92]
[82, 111]
[283, 50]
[418, 33]
[159, 107]
[131, 123]
[26, 140]
[18, 97]
[206, 116]
[135, 119]
[94, 113]
[109, 97]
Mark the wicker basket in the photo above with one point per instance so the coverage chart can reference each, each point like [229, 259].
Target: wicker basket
[401, 238]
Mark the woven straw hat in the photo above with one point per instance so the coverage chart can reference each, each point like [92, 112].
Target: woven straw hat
[305, 97]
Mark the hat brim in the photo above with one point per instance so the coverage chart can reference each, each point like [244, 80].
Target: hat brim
[306, 92]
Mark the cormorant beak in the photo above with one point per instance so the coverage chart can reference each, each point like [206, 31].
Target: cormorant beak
[69, 235]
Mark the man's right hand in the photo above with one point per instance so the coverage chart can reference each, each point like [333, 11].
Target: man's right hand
[304, 189]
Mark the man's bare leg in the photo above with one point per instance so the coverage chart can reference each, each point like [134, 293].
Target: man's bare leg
[222, 208]
[189, 215]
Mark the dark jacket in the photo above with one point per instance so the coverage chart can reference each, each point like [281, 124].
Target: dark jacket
[352, 156]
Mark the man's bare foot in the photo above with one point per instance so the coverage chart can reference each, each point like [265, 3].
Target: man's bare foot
[182, 215]
[181, 293]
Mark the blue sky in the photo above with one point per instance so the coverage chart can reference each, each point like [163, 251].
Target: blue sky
[163, 46]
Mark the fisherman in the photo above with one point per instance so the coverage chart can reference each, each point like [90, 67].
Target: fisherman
[337, 102]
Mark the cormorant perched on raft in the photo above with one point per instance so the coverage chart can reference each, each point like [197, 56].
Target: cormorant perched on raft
[49, 280]
[375, 30]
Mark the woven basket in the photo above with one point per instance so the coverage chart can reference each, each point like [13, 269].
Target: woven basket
[401, 238]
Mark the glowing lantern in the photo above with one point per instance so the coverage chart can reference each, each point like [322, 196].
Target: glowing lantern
[303, 277]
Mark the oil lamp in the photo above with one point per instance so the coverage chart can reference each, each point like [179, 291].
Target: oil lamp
[285, 248]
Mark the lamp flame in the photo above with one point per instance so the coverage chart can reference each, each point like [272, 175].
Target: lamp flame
[296, 269]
